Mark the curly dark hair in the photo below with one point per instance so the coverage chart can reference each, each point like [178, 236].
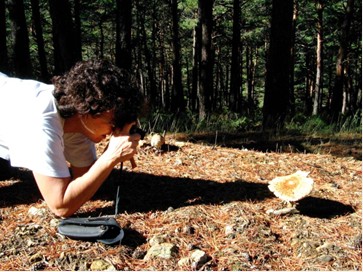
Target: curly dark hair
[95, 86]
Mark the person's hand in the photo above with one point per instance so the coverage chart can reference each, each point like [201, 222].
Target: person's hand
[122, 146]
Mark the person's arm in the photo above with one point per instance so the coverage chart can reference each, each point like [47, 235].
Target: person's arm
[65, 196]
[79, 171]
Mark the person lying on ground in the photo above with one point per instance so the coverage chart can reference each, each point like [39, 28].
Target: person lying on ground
[52, 129]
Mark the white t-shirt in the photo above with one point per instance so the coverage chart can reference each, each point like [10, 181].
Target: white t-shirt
[31, 130]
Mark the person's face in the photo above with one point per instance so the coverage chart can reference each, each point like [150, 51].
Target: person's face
[96, 128]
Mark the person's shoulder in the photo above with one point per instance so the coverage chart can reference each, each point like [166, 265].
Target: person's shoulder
[2, 75]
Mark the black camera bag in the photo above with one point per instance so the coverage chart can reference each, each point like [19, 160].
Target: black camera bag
[102, 229]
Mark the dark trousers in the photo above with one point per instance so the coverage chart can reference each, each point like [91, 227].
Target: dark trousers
[5, 169]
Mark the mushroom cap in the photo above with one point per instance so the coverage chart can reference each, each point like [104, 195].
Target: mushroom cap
[157, 141]
[292, 187]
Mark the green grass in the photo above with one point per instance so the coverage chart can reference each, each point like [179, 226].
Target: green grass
[316, 125]
[235, 123]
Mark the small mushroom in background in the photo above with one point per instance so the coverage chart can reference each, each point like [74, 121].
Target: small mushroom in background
[291, 188]
[157, 140]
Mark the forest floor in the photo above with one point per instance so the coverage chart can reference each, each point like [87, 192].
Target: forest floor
[205, 195]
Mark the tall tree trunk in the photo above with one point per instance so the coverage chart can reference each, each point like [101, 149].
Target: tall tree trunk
[77, 30]
[22, 62]
[38, 35]
[292, 61]
[276, 100]
[250, 74]
[149, 67]
[65, 55]
[205, 13]
[178, 96]
[101, 43]
[319, 58]
[236, 82]
[194, 105]
[123, 34]
[4, 60]
[163, 70]
[309, 85]
[338, 90]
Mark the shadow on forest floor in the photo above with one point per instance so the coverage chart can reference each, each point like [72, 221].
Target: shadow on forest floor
[290, 143]
[145, 193]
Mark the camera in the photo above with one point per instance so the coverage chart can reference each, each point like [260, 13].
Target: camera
[135, 129]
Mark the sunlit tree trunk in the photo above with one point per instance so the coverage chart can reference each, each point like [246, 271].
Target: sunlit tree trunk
[339, 90]
[292, 61]
[195, 70]
[319, 58]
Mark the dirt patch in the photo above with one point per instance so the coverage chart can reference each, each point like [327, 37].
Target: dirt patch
[201, 196]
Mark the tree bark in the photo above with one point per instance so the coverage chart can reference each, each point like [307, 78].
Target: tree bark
[178, 95]
[205, 13]
[149, 64]
[4, 60]
[236, 79]
[194, 105]
[123, 34]
[77, 30]
[22, 62]
[338, 91]
[276, 100]
[250, 74]
[319, 58]
[38, 35]
[292, 106]
[63, 36]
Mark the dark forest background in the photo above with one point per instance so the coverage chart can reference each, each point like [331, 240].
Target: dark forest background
[253, 63]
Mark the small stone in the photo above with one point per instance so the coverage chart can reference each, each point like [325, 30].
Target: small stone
[178, 162]
[228, 230]
[246, 256]
[138, 254]
[198, 257]
[188, 230]
[36, 212]
[191, 247]
[186, 261]
[325, 258]
[54, 222]
[102, 265]
[30, 243]
[164, 250]
[36, 257]
[157, 240]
